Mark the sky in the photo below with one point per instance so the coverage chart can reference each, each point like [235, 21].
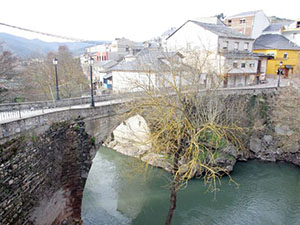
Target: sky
[138, 20]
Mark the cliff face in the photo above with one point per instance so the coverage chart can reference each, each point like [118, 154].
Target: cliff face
[42, 177]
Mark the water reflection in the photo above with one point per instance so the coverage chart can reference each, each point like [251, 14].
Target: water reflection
[117, 194]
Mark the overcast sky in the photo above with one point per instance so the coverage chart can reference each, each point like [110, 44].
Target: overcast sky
[134, 19]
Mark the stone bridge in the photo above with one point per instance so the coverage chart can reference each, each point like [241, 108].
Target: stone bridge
[47, 153]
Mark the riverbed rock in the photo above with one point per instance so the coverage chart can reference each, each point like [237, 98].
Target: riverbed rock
[225, 161]
[283, 130]
[268, 139]
[156, 160]
[255, 144]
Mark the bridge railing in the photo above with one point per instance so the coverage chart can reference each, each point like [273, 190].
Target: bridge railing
[54, 104]
[26, 109]
[20, 110]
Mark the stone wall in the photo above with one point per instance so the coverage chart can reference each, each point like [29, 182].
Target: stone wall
[42, 177]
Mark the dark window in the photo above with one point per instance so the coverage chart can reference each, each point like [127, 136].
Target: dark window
[225, 46]
[298, 24]
[243, 65]
[235, 65]
[285, 56]
[242, 20]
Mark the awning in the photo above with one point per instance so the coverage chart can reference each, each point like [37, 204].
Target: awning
[107, 76]
[288, 67]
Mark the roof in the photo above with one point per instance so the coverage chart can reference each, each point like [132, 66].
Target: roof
[274, 41]
[105, 65]
[276, 26]
[218, 29]
[244, 14]
[146, 59]
[241, 55]
[221, 30]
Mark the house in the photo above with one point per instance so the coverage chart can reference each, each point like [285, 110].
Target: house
[230, 51]
[100, 71]
[292, 32]
[147, 69]
[116, 50]
[249, 23]
[276, 28]
[281, 49]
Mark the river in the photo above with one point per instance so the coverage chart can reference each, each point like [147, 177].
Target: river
[117, 192]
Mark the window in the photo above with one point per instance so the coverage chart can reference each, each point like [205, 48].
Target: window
[251, 65]
[235, 65]
[246, 46]
[285, 55]
[243, 65]
[242, 21]
[225, 44]
[294, 35]
[229, 22]
[298, 24]
[236, 46]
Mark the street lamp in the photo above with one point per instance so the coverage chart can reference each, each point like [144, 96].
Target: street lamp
[91, 62]
[279, 73]
[55, 61]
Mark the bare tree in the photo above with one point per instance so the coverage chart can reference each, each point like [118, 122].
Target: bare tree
[189, 127]
[8, 63]
[40, 76]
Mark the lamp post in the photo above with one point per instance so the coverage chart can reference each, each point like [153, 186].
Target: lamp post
[55, 61]
[279, 73]
[91, 62]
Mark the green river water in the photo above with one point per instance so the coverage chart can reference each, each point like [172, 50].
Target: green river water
[116, 193]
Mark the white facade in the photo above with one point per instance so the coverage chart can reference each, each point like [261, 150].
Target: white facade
[260, 23]
[191, 36]
[98, 48]
[132, 81]
[226, 53]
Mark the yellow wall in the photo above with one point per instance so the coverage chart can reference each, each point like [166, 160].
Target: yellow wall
[273, 64]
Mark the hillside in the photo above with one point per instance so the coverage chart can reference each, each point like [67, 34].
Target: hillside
[26, 48]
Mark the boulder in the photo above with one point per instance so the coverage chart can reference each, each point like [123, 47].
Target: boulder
[268, 139]
[255, 144]
[283, 130]
[156, 160]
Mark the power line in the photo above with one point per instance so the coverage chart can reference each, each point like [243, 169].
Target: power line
[48, 34]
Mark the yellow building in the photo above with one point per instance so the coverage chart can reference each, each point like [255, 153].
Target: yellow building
[280, 49]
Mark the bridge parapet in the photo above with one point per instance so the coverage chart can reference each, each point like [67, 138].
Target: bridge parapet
[41, 122]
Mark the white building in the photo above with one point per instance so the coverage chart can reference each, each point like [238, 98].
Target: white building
[292, 32]
[230, 51]
[249, 23]
[289, 29]
[147, 69]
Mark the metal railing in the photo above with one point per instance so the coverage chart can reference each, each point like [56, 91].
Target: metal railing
[13, 111]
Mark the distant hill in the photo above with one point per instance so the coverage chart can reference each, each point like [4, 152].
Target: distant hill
[26, 48]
